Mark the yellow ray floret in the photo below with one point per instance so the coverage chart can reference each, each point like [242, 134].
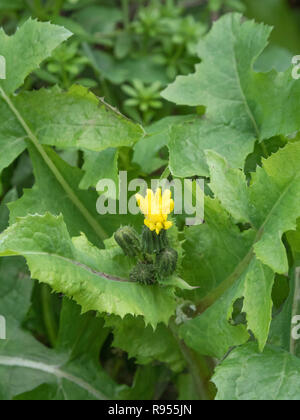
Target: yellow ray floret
[156, 207]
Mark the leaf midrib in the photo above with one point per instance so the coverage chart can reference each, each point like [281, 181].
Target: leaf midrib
[243, 95]
[76, 263]
[52, 370]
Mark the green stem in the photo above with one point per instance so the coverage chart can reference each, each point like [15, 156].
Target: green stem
[126, 19]
[39, 10]
[166, 173]
[73, 197]
[49, 318]
[197, 368]
[57, 7]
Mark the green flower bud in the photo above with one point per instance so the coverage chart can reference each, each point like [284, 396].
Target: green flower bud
[128, 239]
[152, 242]
[144, 274]
[166, 262]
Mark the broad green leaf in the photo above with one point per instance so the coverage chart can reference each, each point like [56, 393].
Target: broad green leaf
[219, 260]
[270, 204]
[147, 150]
[95, 279]
[246, 374]
[144, 344]
[75, 119]
[83, 337]
[274, 57]
[29, 370]
[195, 137]
[98, 166]
[213, 250]
[26, 49]
[212, 334]
[23, 52]
[15, 292]
[237, 99]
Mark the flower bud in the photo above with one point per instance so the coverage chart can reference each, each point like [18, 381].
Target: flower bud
[144, 274]
[152, 242]
[166, 262]
[128, 239]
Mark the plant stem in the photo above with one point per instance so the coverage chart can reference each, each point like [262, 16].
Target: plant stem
[197, 368]
[57, 7]
[49, 319]
[126, 19]
[73, 197]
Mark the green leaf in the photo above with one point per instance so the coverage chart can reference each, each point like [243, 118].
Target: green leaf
[49, 195]
[195, 137]
[26, 49]
[99, 165]
[146, 151]
[211, 333]
[29, 370]
[214, 250]
[242, 105]
[270, 204]
[275, 374]
[220, 260]
[11, 196]
[144, 344]
[22, 55]
[75, 119]
[95, 279]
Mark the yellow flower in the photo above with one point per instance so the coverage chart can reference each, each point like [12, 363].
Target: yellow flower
[156, 208]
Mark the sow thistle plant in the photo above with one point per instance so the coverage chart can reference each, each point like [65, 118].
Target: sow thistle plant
[196, 304]
[156, 260]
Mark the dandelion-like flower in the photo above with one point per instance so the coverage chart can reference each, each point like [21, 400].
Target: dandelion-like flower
[156, 207]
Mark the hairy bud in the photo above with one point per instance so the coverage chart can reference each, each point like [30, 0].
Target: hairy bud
[144, 274]
[128, 239]
[166, 262]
